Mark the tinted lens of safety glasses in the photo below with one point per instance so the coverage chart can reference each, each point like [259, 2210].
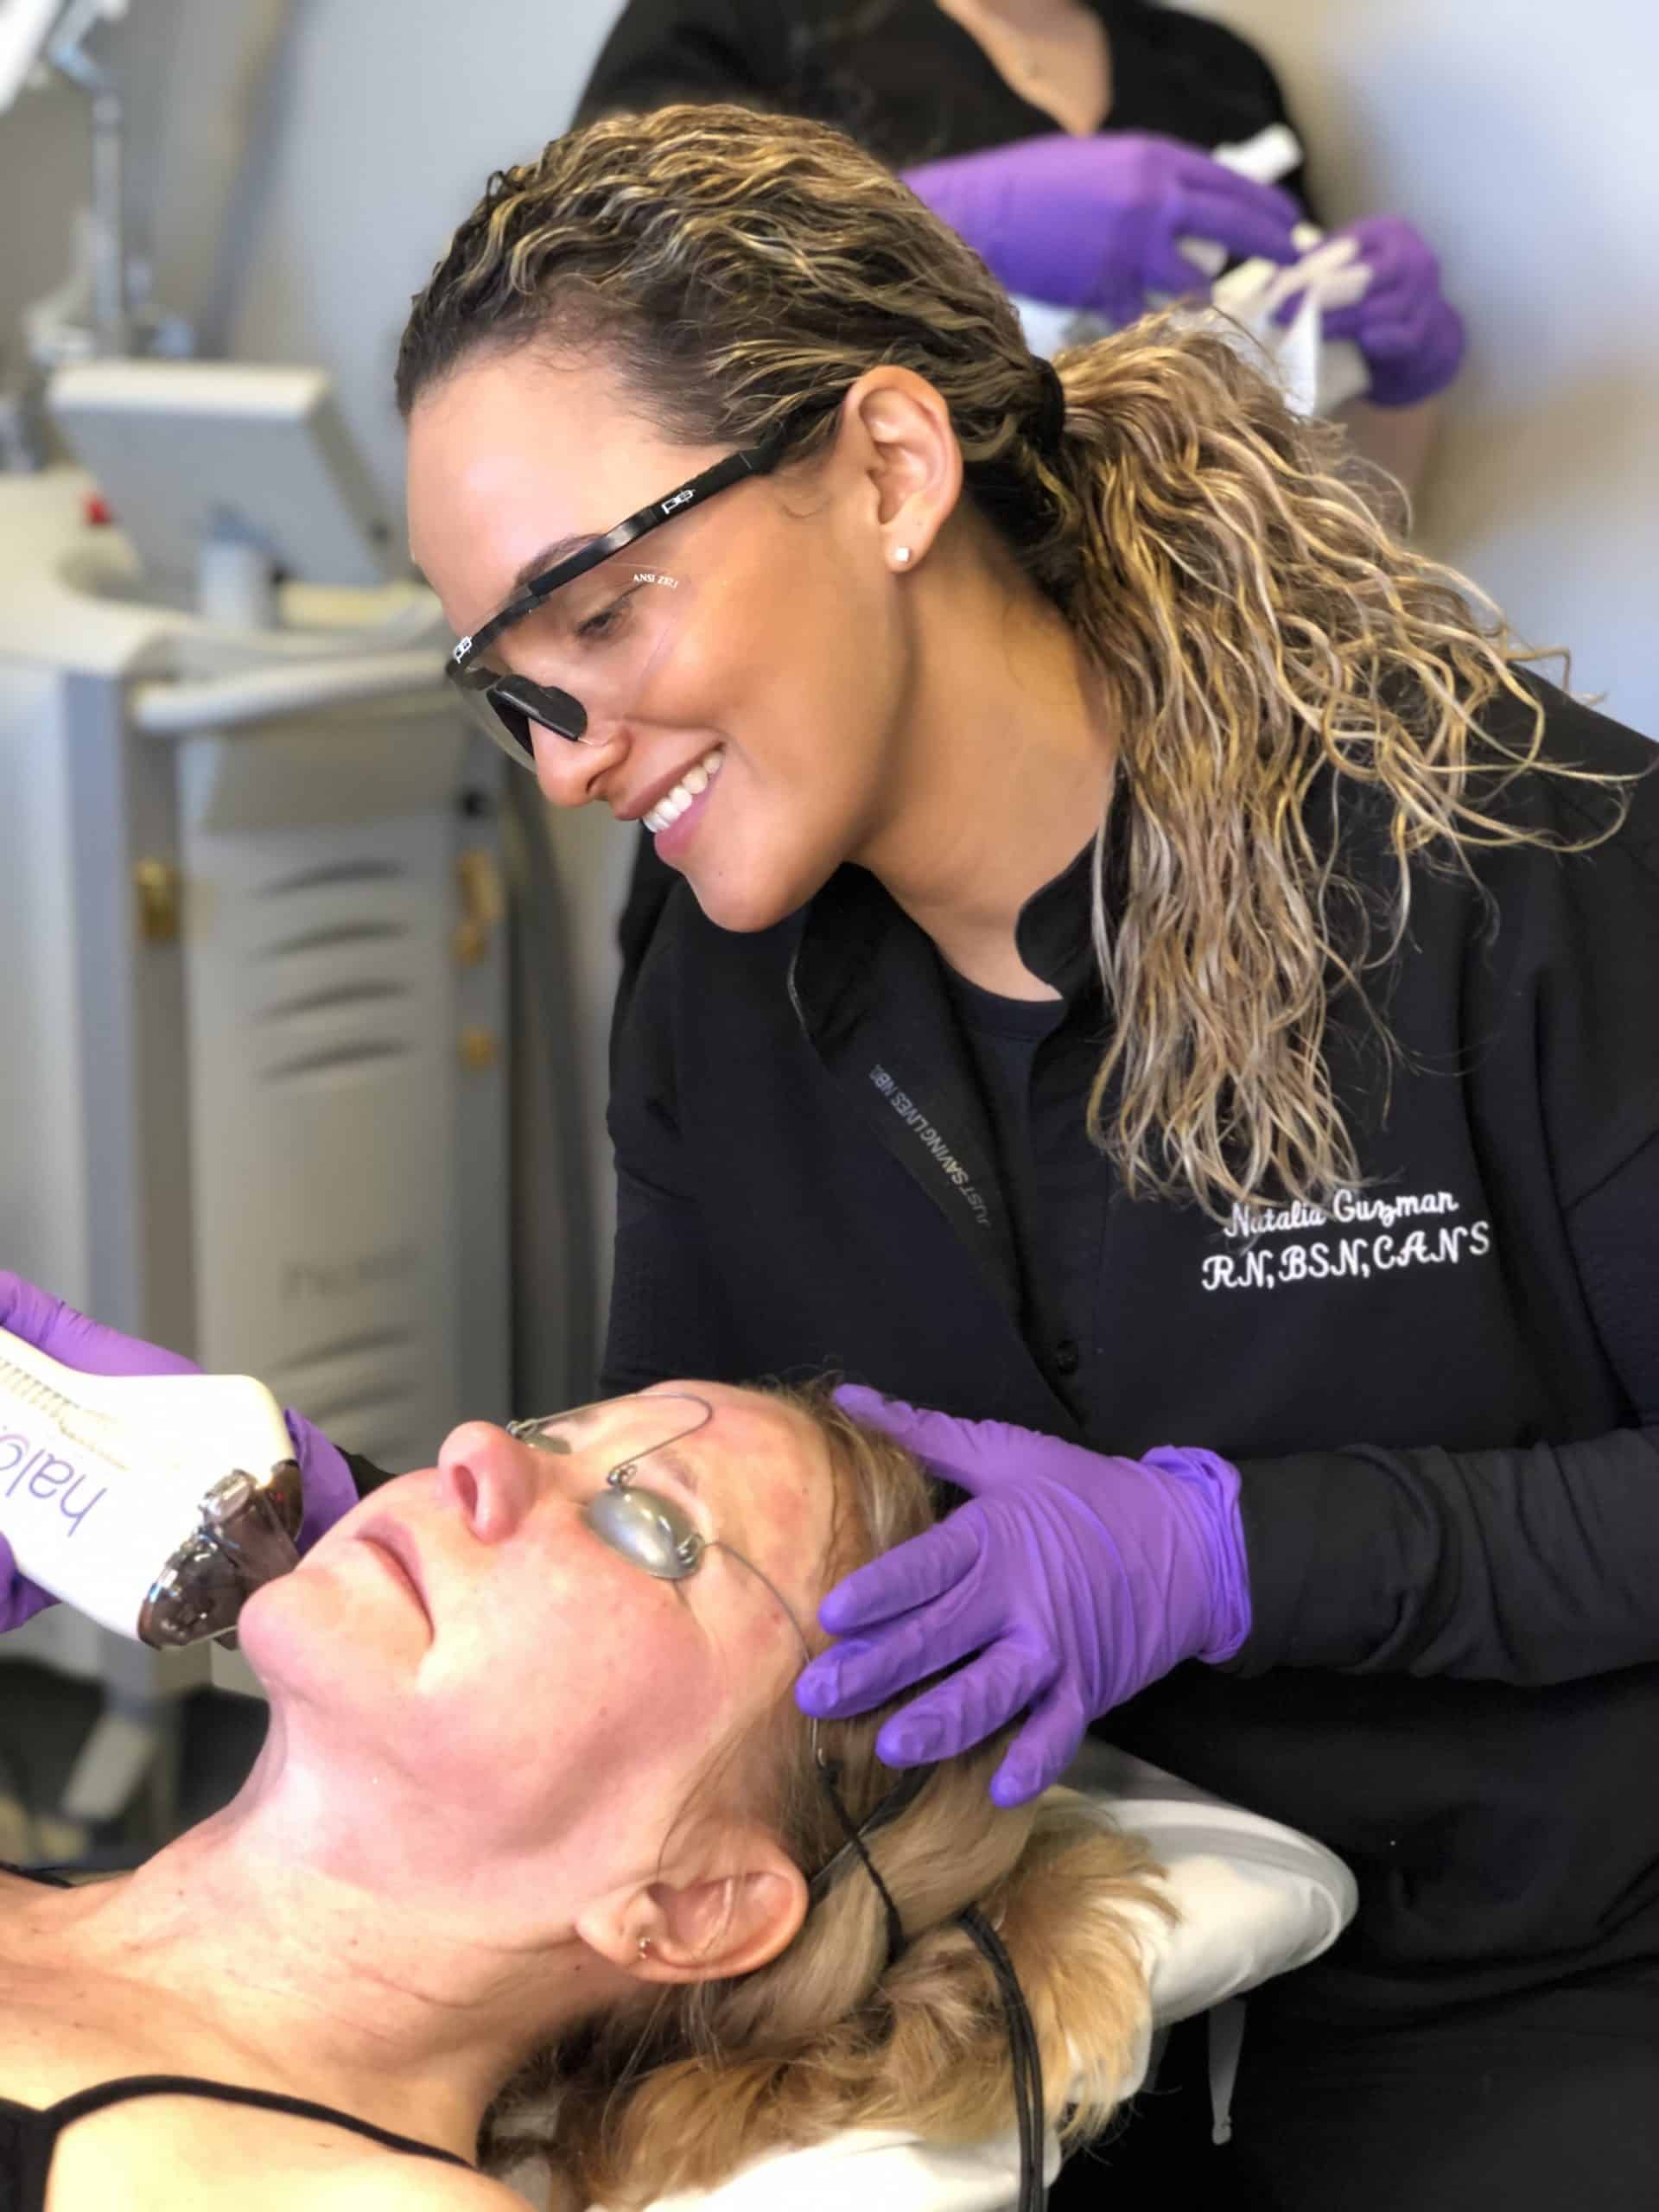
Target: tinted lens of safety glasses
[513, 707]
[509, 731]
[517, 697]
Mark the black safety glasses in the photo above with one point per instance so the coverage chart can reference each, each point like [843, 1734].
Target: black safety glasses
[510, 708]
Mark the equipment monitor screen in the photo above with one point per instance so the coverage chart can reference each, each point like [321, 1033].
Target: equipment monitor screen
[185, 451]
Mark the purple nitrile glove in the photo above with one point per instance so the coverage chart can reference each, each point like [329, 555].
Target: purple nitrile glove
[1409, 334]
[1094, 222]
[1076, 1578]
[74, 1340]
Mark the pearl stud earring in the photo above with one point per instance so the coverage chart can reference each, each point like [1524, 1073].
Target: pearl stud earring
[901, 554]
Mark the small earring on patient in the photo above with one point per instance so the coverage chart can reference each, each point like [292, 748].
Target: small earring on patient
[901, 554]
[645, 1946]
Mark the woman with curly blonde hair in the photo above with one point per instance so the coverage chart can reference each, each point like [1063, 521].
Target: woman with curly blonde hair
[1154, 960]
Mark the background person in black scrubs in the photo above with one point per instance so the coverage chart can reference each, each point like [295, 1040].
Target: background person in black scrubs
[1365, 1221]
[922, 82]
[929, 81]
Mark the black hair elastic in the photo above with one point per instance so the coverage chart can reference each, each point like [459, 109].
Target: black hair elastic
[1050, 422]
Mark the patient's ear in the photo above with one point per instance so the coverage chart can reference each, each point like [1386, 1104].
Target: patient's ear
[728, 1912]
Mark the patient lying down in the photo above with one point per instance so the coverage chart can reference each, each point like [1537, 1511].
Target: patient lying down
[524, 1871]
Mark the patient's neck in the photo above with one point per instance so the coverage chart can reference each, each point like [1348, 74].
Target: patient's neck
[340, 1962]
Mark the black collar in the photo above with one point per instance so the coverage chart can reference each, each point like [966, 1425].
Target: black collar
[1053, 932]
[867, 988]
[843, 927]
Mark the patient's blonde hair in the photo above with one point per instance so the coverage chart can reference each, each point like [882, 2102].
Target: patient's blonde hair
[679, 2091]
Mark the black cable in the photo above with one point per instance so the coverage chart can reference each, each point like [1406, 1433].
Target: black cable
[1027, 2058]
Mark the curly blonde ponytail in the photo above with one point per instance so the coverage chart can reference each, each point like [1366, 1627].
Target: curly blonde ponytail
[1258, 629]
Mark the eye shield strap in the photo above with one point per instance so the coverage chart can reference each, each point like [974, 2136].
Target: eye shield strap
[903, 1794]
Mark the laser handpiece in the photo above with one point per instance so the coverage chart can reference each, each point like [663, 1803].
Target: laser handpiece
[156, 1505]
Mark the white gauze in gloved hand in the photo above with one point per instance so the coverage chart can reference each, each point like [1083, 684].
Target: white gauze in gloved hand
[1317, 374]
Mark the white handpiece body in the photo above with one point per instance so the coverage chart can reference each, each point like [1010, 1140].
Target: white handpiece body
[124, 1495]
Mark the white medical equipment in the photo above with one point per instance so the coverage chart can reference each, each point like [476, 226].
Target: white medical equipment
[1255, 1899]
[154, 1504]
[25, 30]
[253, 1007]
[224, 476]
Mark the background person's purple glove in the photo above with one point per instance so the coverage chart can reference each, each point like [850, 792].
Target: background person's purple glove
[1094, 222]
[1077, 1579]
[1410, 334]
[74, 1340]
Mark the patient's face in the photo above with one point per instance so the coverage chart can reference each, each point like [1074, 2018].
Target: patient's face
[465, 1632]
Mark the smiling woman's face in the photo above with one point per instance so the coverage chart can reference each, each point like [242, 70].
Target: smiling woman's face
[465, 1630]
[759, 632]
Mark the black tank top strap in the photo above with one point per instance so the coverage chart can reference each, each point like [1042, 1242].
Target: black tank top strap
[67, 2110]
[28, 2136]
[26, 2148]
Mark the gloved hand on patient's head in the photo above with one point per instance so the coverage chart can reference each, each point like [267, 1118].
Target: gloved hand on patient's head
[1068, 1583]
[1096, 222]
[75, 1340]
[1410, 334]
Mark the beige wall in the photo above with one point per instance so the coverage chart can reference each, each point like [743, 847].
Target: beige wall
[395, 113]
[1520, 135]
